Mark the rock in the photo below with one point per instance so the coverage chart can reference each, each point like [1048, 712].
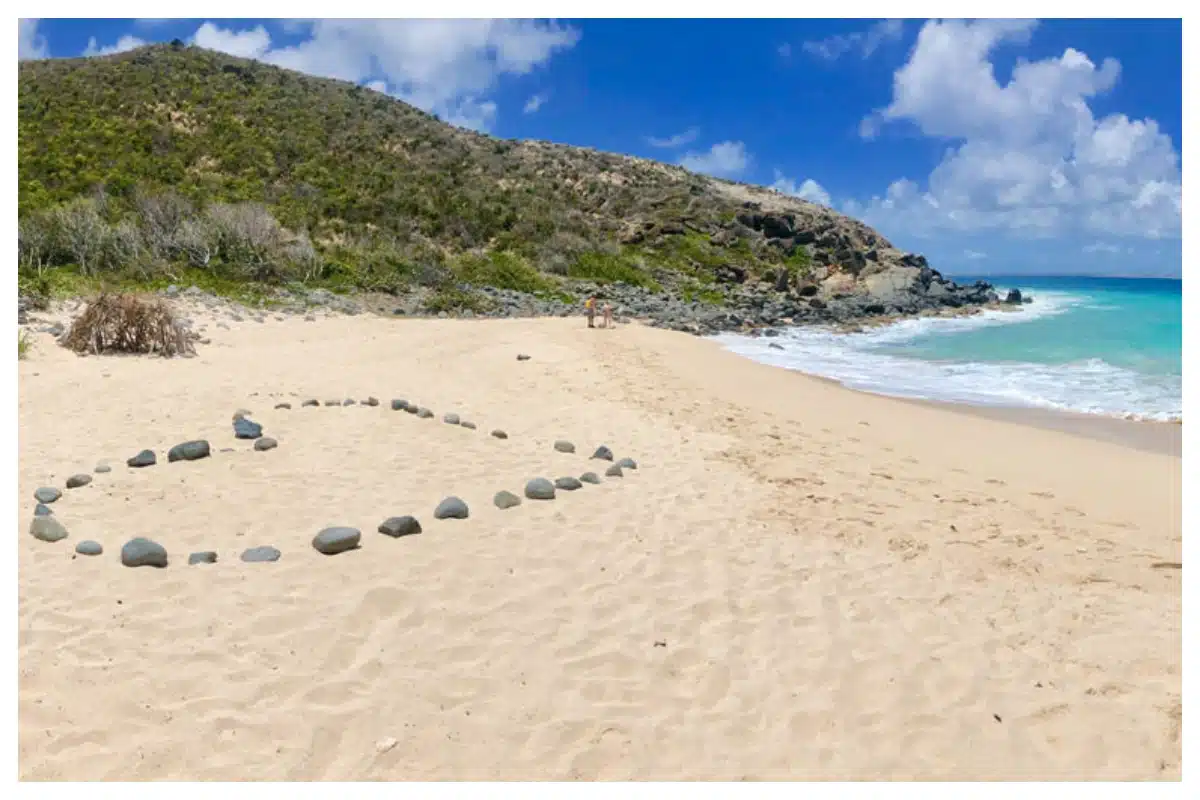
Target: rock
[146, 458]
[522, 357]
[468, 425]
[42, 510]
[627, 463]
[310, 402]
[424, 413]
[1013, 298]
[775, 346]
[589, 477]
[283, 406]
[400, 526]
[333, 402]
[332, 541]
[563, 446]
[47, 494]
[451, 419]
[102, 468]
[348, 402]
[76, 481]
[451, 508]
[205, 557]
[266, 443]
[567, 483]
[385, 744]
[603, 453]
[141, 552]
[265, 553]
[499, 434]
[539, 489]
[48, 529]
[614, 472]
[372, 402]
[189, 451]
[399, 405]
[89, 548]
[247, 429]
[505, 499]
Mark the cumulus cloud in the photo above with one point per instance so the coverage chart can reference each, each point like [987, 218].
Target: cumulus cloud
[446, 67]
[30, 43]
[808, 190]
[678, 140]
[536, 102]
[123, 45]
[865, 43]
[723, 160]
[1026, 156]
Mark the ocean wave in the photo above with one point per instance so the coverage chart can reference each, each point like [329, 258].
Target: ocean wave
[1090, 386]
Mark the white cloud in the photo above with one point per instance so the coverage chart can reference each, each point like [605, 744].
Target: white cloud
[723, 160]
[1028, 155]
[784, 50]
[1105, 247]
[678, 140]
[536, 102]
[808, 190]
[123, 45]
[973, 255]
[30, 44]
[446, 67]
[864, 42]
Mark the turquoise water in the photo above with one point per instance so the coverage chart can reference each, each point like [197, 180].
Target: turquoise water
[1107, 346]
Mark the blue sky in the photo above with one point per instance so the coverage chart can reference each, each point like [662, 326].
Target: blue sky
[993, 147]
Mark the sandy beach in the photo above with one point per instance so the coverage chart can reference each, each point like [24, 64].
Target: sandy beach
[799, 581]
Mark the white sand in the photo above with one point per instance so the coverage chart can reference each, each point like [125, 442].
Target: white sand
[846, 586]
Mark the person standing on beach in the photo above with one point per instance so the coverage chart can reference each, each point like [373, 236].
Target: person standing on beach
[607, 320]
[589, 310]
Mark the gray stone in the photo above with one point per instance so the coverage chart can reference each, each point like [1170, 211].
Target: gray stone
[89, 548]
[539, 489]
[499, 434]
[284, 406]
[399, 405]
[506, 499]
[266, 443]
[567, 483]
[372, 401]
[589, 477]
[141, 552]
[332, 541]
[76, 481]
[348, 402]
[333, 402]
[522, 357]
[205, 557]
[265, 553]
[42, 510]
[48, 529]
[246, 429]
[451, 508]
[189, 451]
[563, 446]
[603, 453]
[102, 468]
[451, 419]
[146, 458]
[627, 463]
[468, 425]
[400, 526]
[411, 409]
[47, 494]
[424, 413]
[310, 402]
[614, 471]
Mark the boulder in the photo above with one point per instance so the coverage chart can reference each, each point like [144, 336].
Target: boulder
[189, 451]
[400, 526]
[142, 552]
[539, 489]
[146, 458]
[506, 499]
[48, 529]
[451, 508]
[332, 541]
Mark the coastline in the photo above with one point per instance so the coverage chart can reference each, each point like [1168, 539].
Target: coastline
[976, 598]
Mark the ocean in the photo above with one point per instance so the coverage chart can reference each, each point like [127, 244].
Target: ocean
[1109, 346]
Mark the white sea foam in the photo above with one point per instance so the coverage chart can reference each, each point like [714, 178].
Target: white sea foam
[1090, 386]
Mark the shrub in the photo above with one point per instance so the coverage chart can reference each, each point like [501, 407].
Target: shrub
[22, 344]
[128, 323]
[606, 268]
[503, 271]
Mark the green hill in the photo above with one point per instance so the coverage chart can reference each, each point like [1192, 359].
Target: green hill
[176, 163]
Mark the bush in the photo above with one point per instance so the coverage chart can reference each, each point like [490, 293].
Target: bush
[128, 323]
[606, 268]
[502, 271]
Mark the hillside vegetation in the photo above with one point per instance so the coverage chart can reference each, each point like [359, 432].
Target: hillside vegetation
[172, 163]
